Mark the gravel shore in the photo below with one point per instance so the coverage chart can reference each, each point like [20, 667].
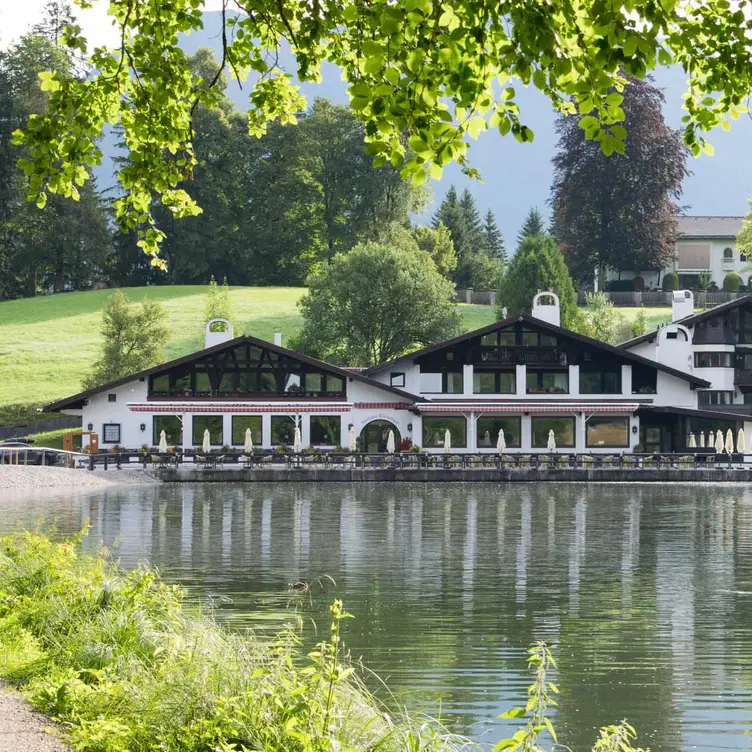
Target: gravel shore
[33, 476]
[24, 730]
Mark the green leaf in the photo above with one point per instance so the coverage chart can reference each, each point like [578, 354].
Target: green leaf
[42, 200]
[513, 713]
[506, 744]
[373, 64]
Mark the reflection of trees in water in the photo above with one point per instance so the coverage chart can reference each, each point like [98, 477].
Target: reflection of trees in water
[449, 583]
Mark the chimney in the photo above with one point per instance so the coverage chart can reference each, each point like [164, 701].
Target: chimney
[547, 311]
[278, 338]
[217, 331]
[682, 304]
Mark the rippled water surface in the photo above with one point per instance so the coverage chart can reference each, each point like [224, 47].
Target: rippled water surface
[644, 591]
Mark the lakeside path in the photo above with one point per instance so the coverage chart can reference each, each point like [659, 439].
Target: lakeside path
[33, 476]
[22, 729]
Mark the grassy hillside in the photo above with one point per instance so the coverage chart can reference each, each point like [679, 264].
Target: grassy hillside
[48, 343]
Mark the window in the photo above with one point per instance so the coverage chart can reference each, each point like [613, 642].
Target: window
[111, 433]
[488, 431]
[452, 383]
[435, 428]
[112, 397]
[494, 382]
[712, 397]
[325, 430]
[292, 382]
[728, 254]
[713, 360]
[607, 432]
[547, 382]
[283, 430]
[397, 380]
[563, 429]
[210, 423]
[531, 338]
[644, 379]
[742, 256]
[239, 425]
[600, 382]
[314, 382]
[504, 338]
[172, 426]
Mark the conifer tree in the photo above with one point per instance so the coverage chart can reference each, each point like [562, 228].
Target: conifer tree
[533, 225]
[493, 242]
[536, 267]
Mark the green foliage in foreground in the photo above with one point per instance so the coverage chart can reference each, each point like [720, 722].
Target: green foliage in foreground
[126, 667]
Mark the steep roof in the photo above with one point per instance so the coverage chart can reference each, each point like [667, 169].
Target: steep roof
[709, 227]
[560, 331]
[77, 400]
[690, 320]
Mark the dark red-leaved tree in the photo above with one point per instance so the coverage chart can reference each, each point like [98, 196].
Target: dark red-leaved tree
[619, 211]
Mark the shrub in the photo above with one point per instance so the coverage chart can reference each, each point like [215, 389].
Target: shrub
[731, 282]
[670, 282]
[640, 324]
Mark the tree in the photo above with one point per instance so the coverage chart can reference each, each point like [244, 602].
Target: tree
[619, 212]
[421, 76]
[437, 242]
[537, 266]
[133, 339]
[217, 303]
[600, 320]
[375, 303]
[493, 242]
[533, 225]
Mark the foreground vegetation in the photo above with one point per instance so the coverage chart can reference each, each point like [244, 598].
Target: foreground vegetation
[125, 667]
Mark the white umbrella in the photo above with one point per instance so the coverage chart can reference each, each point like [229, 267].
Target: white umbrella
[390, 443]
[352, 442]
[297, 446]
[501, 443]
[206, 446]
[447, 441]
[741, 444]
[248, 444]
[162, 442]
[487, 438]
[729, 442]
[691, 443]
[551, 441]
[702, 440]
[719, 442]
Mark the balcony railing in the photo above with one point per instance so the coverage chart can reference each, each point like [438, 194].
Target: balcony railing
[531, 356]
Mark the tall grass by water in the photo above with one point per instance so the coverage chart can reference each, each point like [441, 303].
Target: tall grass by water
[125, 666]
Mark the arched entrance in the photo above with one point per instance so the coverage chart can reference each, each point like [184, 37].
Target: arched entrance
[374, 436]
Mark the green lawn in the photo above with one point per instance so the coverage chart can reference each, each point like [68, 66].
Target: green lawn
[48, 343]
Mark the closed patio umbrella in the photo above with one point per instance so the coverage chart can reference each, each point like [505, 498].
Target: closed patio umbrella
[206, 446]
[691, 442]
[352, 442]
[390, 443]
[297, 446]
[487, 438]
[718, 442]
[162, 442]
[248, 444]
[501, 443]
[741, 443]
[551, 441]
[447, 441]
[702, 440]
[729, 442]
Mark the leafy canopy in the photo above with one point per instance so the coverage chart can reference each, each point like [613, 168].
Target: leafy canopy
[375, 303]
[421, 74]
[133, 339]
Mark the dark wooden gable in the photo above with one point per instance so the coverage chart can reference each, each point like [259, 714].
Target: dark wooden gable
[729, 326]
[247, 370]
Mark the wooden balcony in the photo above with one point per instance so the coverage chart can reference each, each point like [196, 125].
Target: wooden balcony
[521, 355]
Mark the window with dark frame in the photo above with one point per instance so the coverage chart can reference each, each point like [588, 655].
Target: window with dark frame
[715, 397]
[600, 382]
[547, 382]
[111, 433]
[325, 430]
[112, 397]
[494, 382]
[607, 432]
[212, 423]
[239, 425]
[563, 428]
[713, 360]
[397, 380]
[171, 425]
[435, 428]
[488, 431]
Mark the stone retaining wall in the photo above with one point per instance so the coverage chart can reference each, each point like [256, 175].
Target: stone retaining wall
[458, 475]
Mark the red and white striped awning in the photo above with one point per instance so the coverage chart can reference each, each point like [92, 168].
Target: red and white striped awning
[287, 408]
[528, 407]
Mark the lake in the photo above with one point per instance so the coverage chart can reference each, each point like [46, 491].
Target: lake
[644, 592]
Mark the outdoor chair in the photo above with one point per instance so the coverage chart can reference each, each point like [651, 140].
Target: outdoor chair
[562, 461]
[200, 461]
